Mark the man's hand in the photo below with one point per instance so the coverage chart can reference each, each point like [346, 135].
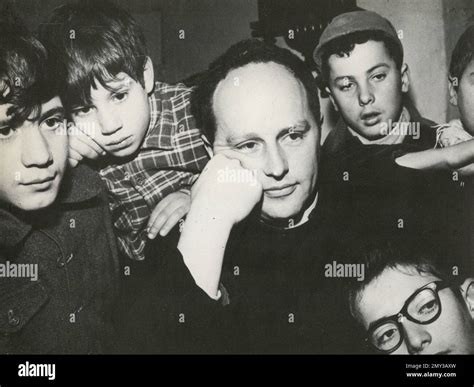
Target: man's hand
[168, 212]
[225, 190]
[224, 194]
[82, 146]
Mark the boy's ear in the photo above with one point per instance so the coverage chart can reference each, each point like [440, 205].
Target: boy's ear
[405, 74]
[452, 86]
[467, 290]
[331, 98]
[148, 75]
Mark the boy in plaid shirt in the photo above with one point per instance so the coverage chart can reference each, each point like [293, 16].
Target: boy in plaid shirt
[141, 134]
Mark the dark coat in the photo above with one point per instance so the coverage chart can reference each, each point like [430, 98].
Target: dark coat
[275, 296]
[67, 310]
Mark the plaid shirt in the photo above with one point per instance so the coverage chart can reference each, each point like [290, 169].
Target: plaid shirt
[171, 157]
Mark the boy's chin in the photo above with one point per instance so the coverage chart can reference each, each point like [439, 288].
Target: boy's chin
[125, 152]
[36, 202]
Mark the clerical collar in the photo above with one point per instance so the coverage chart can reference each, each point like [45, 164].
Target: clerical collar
[395, 136]
[291, 223]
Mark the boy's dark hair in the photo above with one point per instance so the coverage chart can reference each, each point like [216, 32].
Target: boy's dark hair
[344, 45]
[93, 40]
[239, 55]
[462, 55]
[379, 255]
[24, 71]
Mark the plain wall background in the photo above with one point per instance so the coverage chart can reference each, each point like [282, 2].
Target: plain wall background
[430, 30]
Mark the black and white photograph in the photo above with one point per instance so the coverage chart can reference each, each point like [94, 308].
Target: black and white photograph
[254, 179]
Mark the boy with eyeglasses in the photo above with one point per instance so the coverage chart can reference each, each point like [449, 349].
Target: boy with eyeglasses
[408, 304]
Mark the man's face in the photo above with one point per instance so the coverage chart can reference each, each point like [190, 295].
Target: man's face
[33, 157]
[263, 118]
[366, 88]
[452, 332]
[117, 119]
[465, 98]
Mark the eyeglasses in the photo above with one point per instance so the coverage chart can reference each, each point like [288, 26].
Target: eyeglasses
[422, 307]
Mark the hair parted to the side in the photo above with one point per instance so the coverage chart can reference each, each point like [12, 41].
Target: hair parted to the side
[462, 55]
[344, 45]
[93, 40]
[239, 55]
[26, 81]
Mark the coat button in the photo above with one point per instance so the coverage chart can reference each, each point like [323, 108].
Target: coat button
[62, 261]
[13, 320]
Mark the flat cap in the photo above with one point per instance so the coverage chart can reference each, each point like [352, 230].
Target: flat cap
[356, 21]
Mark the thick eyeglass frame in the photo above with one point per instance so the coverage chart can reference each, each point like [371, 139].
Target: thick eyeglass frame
[403, 313]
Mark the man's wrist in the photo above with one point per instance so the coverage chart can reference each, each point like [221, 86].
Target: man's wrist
[202, 244]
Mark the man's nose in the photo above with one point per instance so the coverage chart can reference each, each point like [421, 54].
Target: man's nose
[35, 150]
[366, 94]
[109, 120]
[276, 163]
[417, 337]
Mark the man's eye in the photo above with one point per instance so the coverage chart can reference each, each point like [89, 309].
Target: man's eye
[248, 147]
[346, 86]
[295, 136]
[6, 132]
[120, 96]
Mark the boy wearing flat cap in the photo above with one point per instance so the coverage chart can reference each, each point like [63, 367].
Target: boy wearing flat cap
[360, 62]
[382, 155]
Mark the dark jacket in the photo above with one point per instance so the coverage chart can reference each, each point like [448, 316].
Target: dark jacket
[68, 309]
[427, 207]
[373, 165]
[275, 296]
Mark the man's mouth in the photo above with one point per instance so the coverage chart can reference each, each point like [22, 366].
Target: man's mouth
[280, 191]
[370, 118]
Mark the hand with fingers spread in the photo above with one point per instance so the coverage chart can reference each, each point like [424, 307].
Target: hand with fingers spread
[224, 194]
[82, 146]
[168, 213]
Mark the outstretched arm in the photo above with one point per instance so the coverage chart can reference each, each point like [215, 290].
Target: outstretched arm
[458, 157]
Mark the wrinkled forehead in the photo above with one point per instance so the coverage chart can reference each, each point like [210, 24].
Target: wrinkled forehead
[385, 295]
[259, 97]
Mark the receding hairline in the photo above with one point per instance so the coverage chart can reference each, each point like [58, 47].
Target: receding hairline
[290, 75]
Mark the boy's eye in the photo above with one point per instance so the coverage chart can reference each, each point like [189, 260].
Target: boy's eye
[380, 77]
[120, 96]
[82, 111]
[52, 123]
[6, 132]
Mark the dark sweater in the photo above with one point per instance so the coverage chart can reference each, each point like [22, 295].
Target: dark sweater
[275, 298]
